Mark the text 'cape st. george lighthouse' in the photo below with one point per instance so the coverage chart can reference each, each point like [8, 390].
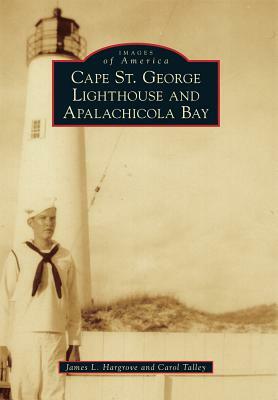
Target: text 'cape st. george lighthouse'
[53, 159]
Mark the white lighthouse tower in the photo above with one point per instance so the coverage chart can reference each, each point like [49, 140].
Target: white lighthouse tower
[53, 159]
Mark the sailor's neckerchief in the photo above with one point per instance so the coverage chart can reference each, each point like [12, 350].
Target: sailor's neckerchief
[46, 258]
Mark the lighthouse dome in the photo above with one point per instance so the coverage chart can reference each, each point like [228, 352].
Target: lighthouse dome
[56, 35]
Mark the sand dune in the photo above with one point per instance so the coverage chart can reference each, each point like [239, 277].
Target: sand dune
[167, 314]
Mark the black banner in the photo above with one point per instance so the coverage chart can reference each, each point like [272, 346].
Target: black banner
[136, 367]
[136, 85]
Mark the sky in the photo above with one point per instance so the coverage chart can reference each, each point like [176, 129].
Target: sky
[190, 212]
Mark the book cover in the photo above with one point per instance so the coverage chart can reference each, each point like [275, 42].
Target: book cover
[179, 223]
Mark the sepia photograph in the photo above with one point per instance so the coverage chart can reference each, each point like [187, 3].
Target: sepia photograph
[150, 243]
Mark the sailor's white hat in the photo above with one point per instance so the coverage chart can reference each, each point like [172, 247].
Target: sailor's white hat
[39, 205]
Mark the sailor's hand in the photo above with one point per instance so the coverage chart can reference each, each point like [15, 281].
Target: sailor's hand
[73, 353]
[5, 362]
[76, 354]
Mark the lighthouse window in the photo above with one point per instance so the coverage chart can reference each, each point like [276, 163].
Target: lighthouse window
[36, 129]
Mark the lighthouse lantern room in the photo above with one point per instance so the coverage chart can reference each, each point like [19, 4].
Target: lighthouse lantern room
[56, 35]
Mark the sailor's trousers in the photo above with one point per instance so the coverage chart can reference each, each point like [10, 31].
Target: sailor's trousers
[35, 361]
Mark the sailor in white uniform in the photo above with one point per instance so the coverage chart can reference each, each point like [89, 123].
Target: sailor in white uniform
[39, 310]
